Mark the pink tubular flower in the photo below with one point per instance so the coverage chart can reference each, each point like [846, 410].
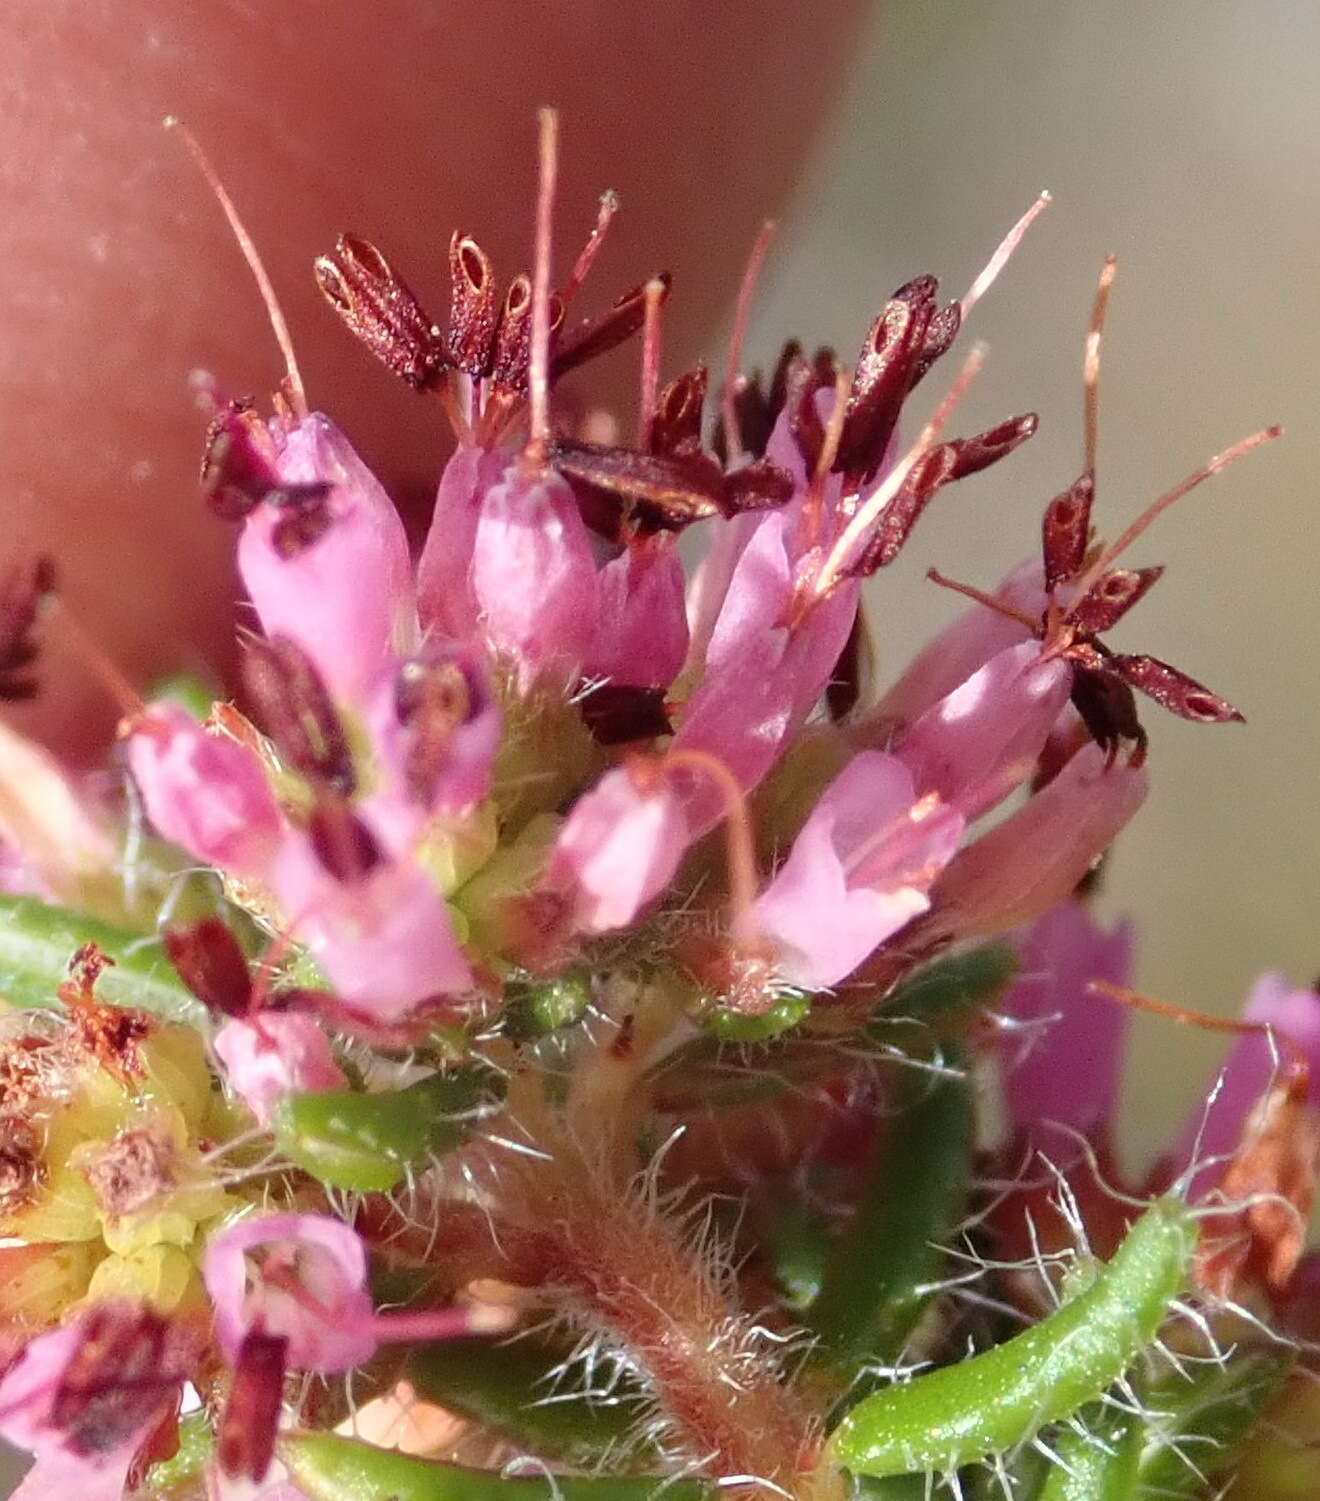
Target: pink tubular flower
[383, 935]
[334, 576]
[959, 651]
[85, 1397]
[274, 1053]
[641, 634]
[204, 791]
[619, 847]
[1036, 857]
[298, 1277]
[1065, 1070]
[858, 872]
[977, 743]
[534, 575]
[445, 600]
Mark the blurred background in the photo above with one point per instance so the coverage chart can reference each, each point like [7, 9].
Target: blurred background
[890, 139]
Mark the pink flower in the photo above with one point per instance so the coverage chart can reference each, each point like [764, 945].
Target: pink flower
[85, 1397]
[858, 872]
[382, 934]
[641, 634]
[534, 575]
[1065, 1067]
[976, 744]
[1036, 857]
[205, 791]
[274, 1053]
[445, 600]
[298, 1277]
[333, 576]
[619, 846]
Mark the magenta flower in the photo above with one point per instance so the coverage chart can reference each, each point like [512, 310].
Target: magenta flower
[1064, 1068]
[274, 1053]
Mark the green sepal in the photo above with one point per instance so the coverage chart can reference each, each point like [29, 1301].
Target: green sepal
[330, 1468]
[736, 1026]
[1099, 1463]
[938, 1000]
[502, 1386]
[37, 941]
[534, 1007]
[175, 1475]
[368, 1142]
[872, 1291]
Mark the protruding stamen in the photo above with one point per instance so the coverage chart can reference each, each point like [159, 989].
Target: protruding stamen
[297, 394]
[539, 365]
[733, 361]
[609, 206]
[813, 509]
[1091, 360]
[102, 666]
[1110, 554]
[655, 296]
[990, 601]
[1299, 1068]
[1001, 257]
[739, 838]
[855, 533]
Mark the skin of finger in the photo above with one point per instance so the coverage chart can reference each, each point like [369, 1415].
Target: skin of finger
[402, 120]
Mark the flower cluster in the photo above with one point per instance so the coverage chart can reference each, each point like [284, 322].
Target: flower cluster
[557, 896]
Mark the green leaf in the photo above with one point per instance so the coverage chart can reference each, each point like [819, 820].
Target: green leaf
[1207, 1417]
[1098, 1463]
[37, 941]
[329, 1468]
[196, 1445]
[502, 1386]
[367, 1142]
[937, 1001]
[872, 1293]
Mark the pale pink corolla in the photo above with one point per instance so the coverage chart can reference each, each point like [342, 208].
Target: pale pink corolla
[445, 601]
[859, 871]
[204, 791]
[274, 1053]
[346, 596]
[619, 847]
[641, 633]
[385, 940]
[976, 744]
[534, 576]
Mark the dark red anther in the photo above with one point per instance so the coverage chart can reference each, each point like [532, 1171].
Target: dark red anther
[677, 421]
[211, 964]
[1065, 530]
[1106, 706]
[619, 713]
[1174, 690]
[128, 1367]
[473, 308]
[885, 370]
[758, 486]
[343, 844]
[245, 1443]
[802, 380]
[376, 304]
[971, 455]
[666, 492]
[940, 334]
[302, 521]
[433, 698]
[22, 591]
[295, 708]
[237, 474]
[1111, 597]
[513, 336]
[602, 334]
